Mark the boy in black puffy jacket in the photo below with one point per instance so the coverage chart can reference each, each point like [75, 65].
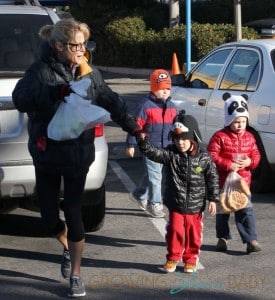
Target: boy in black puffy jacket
[191, 180]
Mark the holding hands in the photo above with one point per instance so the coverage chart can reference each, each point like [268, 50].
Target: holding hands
[141, 139]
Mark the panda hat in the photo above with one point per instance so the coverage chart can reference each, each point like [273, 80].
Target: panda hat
[234, 106]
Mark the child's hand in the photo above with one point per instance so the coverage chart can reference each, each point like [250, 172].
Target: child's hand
[212, 208]
[130, 152]
[143, 142]
[140, 136]
[241, 163]
[235, 166]
[245, 162]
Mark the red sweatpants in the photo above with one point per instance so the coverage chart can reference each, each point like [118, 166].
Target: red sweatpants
[184, 237]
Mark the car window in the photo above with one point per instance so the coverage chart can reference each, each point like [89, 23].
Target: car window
[205, 76]
[19, 40]
[242, 72]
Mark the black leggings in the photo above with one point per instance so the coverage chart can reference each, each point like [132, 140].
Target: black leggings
[48, 192]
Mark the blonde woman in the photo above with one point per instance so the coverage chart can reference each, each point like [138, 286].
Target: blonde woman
[64, 58]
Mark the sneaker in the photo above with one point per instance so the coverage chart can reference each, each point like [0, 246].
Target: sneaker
[189, 268]
[170, 266]
[156, 210]
[77, 288]
[142, 203]
[222, 245]
[66, 264]
[253, 246]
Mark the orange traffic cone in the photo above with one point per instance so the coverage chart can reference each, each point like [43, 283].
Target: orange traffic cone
[175, 65]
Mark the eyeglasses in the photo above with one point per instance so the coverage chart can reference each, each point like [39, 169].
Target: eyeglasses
[77, 47]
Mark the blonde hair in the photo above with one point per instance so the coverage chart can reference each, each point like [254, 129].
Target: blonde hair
[63, 31]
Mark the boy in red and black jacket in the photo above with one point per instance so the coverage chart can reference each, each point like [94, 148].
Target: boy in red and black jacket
[155, 114]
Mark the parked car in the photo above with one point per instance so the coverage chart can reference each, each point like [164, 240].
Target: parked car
[19, 42]
[245, 67]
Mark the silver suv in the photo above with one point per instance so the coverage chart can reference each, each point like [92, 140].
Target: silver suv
[19, 46]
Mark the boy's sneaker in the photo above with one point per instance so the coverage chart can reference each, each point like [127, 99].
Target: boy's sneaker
[253, 246]
[66, 264]
[156, 210]
[142, 203]
[77, 288]
[189, 268]
[221, 245]
[170, 266]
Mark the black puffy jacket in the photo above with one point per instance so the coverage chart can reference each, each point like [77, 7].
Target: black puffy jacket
[189, 180]
[38, 93]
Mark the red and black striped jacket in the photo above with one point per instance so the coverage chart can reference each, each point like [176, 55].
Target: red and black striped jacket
[155, 117]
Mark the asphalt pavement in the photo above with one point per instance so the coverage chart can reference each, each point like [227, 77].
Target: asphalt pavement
[231, 275]
[137, 247]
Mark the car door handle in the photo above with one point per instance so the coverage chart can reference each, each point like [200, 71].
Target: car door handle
[202, 102]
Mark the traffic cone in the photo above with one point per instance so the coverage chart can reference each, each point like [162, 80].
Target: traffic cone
[175, 65]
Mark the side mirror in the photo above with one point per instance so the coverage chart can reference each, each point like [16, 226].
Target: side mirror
[178, 79]
[199, 84]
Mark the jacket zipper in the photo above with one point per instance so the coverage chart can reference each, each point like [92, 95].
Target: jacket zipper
[187, 181]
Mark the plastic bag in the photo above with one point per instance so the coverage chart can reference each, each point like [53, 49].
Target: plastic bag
[81, 86]
[235, 194]
[76, 114]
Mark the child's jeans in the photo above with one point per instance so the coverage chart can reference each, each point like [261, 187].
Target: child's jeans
[149, 187]
[245, 222]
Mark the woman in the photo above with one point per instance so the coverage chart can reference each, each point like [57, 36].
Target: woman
[64, 58]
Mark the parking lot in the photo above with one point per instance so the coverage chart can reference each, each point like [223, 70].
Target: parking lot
[122, 260]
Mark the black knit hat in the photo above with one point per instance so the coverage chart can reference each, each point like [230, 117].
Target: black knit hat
[186, 126]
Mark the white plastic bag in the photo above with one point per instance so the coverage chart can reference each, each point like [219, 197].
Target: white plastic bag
[76, 115]
[235, 194]
[81, 86]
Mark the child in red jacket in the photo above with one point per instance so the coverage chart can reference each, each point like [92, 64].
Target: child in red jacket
[234, 149]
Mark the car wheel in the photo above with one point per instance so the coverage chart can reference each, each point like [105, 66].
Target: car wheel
[93, 209]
